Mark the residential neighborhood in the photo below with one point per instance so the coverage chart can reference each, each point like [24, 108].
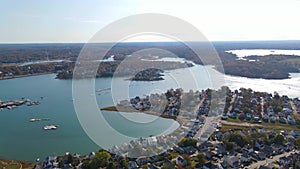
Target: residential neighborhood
[254, 130]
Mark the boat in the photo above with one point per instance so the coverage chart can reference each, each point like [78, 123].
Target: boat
[50, 127]
[101, 90]
[34, 120]
[37, 119]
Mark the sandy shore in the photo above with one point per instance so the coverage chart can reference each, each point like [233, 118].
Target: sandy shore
[184, 121]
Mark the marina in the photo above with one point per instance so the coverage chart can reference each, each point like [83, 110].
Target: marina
[14, 103]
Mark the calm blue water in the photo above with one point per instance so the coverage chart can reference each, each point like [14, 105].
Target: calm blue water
[21, 139]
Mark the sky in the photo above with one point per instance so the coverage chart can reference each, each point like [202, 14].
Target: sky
[43, 21]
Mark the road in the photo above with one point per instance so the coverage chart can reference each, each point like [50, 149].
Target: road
[231, 103]
[294, 108]
[243, 124]
[196, 111]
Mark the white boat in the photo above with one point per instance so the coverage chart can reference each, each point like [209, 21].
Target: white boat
[34, 120]
[50, 127]
[101, 90]
[39, 119]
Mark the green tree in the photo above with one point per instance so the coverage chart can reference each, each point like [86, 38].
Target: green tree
[185, 142]
[228, 146]
[297, 142]
[201, 160]
[123, 162]
[101, 159]
[279, 139]
[238, 139]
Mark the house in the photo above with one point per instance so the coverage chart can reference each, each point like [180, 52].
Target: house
[132, 165]
[152, 166]
[209, 154]
[153, 158]
[277, 149]
[268, 150]
[245, 160]
[204, 146]
[258, 155]
[247, 150]
[272, 119]
[142, 160]
[262, 167]
[67, 166]
[248, 116]
[221, 151]
[168, 164]
[152, 141]
[180, 161]
[294, 134]
[284, 133]
[270, 166]
[210, 165]
[282, 120]
[189, 150]
[266, 118]
[233, 115]
[50, 162]
[297, 165]
[218, 136]
[291, 121]
[179, 150]
[258, 146]
[254, 101]
[256, 118]
[230, 162]
[284, 161]
[224, 117]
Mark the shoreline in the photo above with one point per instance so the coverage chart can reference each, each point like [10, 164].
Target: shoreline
[27, 75]
[184, 121]
[129, 110]
[156, 79]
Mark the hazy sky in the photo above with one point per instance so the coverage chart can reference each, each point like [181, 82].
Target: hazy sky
[79, 20]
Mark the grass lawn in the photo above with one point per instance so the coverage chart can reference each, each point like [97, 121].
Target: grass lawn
[11, 164]
[269, 126]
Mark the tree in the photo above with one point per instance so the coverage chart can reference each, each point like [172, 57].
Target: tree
[238, 139]
[242, 116]
[185, 142]
[228, 146]
[124, 162]
[279, 139]
[111, 165]
[297, 142]
[201, 160]
[101, 159]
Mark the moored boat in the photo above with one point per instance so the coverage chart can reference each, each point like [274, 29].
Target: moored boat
[50, 127]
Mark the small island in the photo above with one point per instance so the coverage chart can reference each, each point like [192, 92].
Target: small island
[151, 74]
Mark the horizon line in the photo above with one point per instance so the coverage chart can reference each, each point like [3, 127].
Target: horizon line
[21, 43]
